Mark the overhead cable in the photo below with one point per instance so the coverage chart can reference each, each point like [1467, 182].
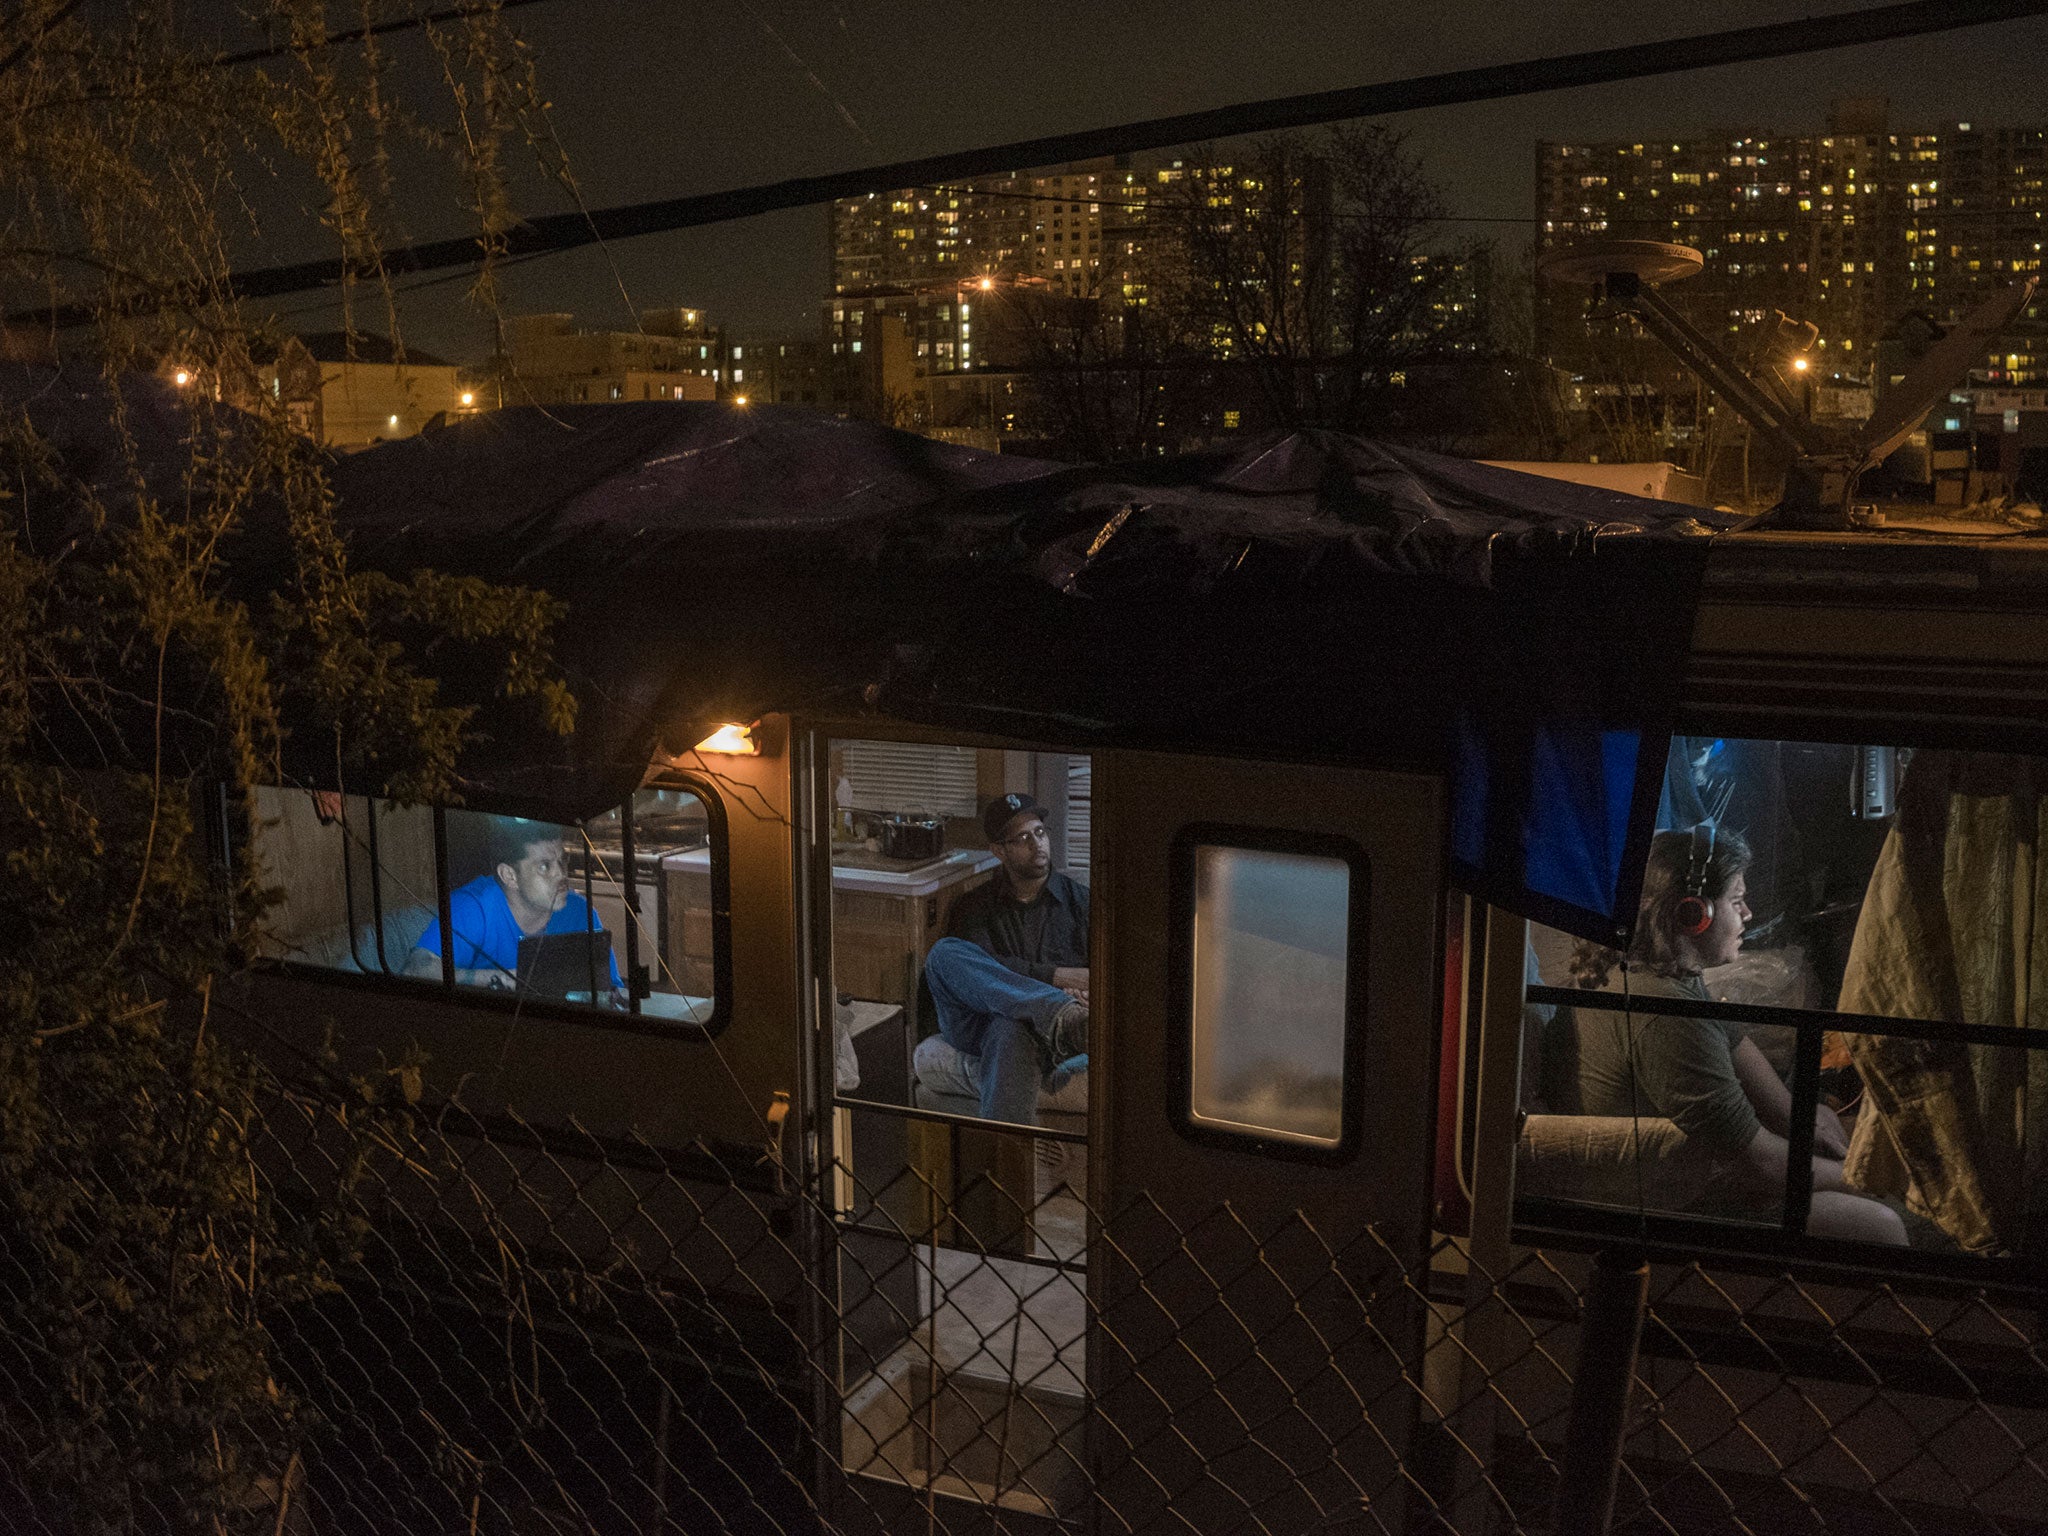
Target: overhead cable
[364, 34]
[569, 231]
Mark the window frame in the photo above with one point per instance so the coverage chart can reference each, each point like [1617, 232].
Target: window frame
[445, 989]
[1181, 986]
[1548, 1221]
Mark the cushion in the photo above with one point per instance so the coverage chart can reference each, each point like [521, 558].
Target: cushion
[1611, 1160]
[944, 1070]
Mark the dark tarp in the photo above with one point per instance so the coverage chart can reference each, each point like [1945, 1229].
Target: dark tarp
[1313, 597]
[71, 411]
[1309, 596]
[701, 551]
[1323, 596]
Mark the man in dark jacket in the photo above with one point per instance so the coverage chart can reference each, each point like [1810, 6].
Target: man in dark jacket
[1010, 981]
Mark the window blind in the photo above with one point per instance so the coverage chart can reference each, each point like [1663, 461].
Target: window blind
[1080, 792]
[911, 776]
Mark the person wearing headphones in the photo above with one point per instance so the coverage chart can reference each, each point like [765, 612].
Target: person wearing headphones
[1704, 1075]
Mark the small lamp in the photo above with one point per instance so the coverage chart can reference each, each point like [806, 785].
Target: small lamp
[732, 740]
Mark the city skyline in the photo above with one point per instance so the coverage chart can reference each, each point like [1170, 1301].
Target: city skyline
[635, 127]
[1722, 201]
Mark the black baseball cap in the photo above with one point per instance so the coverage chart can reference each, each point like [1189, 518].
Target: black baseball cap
[1005, 809]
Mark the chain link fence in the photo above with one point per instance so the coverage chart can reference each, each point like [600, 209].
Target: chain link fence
[544, 1330]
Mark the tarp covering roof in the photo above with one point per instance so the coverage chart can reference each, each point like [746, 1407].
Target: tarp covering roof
[1301, 596]
[1308, 596]
[110, 446]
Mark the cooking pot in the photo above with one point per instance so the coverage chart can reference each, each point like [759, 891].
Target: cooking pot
[912, 837]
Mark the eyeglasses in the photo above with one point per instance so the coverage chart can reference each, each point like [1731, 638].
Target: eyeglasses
[1036, 834]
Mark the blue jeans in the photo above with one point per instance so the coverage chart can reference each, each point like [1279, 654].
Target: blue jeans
[988, 1011]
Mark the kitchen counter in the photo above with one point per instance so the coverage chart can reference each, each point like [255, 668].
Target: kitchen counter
[873, 873]
[863, 871]
[886, 913]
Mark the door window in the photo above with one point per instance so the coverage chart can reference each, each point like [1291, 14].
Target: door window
[1271, 929]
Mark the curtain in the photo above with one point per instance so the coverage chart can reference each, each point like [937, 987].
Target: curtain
[1953, 929]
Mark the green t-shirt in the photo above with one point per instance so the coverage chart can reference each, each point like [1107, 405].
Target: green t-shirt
[1680, 1069]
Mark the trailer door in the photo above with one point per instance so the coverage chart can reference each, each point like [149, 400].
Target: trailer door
[1265, 989]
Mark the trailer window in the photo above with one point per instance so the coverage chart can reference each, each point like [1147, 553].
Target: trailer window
[617, 915]
[1270, 931]
[352, 878]
[1832, 1023]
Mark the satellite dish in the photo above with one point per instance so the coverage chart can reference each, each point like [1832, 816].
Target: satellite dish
[1820, 483]
[1650, 262]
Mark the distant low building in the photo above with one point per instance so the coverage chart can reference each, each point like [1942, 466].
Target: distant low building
[776, 370]
[676, 354]
[343, 390]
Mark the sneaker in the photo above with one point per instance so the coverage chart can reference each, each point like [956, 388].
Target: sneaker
[1067, 1035]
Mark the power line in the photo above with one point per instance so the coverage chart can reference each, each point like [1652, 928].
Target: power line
[365, 34]
[570, 231]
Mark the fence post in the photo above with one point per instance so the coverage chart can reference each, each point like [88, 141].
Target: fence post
[1601, 1386]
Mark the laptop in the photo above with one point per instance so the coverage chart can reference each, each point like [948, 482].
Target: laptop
[556, 964]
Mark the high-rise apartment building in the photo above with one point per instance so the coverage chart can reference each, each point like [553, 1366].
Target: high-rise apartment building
[1053, 225]
[1850, 229]
[950, 311]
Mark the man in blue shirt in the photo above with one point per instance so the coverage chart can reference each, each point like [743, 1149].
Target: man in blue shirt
[525, 894]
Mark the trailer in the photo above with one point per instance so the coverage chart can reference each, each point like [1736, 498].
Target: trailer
[1353, 748]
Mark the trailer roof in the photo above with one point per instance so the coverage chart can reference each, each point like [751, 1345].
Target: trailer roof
[1308, 596]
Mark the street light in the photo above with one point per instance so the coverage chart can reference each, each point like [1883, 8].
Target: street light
[181, 378]
[739, 399]
[469, 397]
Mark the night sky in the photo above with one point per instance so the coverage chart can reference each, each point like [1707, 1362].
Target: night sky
[654, 98]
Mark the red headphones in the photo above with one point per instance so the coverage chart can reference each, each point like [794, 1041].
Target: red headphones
[1694, 913]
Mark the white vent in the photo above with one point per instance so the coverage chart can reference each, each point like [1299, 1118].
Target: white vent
[1080, 823]
[910, 776]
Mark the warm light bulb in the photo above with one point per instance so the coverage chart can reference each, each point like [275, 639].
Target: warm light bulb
[468, 398]
[181, 378]
[732, 740]
[1800, 364]
[394, 421]
[739, 399]
[987, 283]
